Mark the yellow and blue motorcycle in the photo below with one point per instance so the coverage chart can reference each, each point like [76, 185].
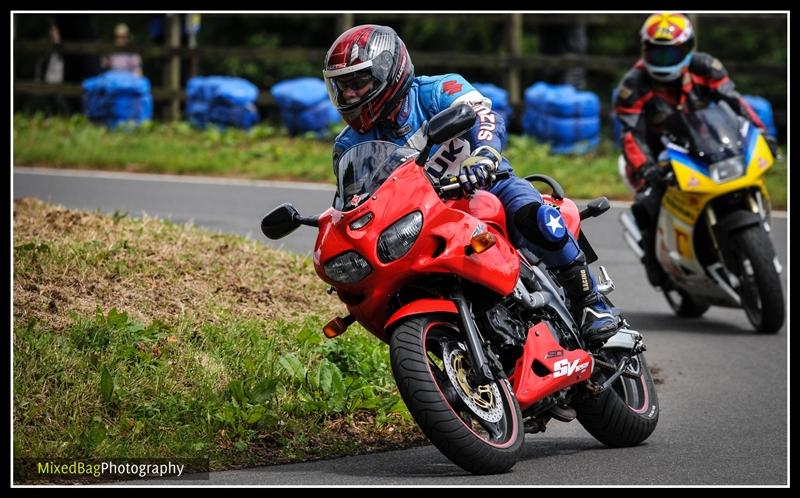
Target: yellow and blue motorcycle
[712, 237]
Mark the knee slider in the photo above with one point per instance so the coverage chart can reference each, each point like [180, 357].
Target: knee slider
[542, 225]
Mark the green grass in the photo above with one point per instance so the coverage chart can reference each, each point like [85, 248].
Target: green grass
[267, 152]
[262, 152]
[142, 338]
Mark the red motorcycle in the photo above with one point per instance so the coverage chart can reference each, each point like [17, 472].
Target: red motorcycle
[483, 348]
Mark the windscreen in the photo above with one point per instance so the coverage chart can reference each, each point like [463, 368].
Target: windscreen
[712, 134]
[363, 168]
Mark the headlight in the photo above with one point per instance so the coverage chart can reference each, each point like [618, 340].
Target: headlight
[397, 240]
[727, 170]
[347, 268]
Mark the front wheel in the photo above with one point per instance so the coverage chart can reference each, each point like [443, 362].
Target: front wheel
[760, 286]
[478, 427]
[626, 413]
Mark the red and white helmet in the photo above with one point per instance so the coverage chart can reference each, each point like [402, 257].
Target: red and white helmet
[667, 45]
[368, 72]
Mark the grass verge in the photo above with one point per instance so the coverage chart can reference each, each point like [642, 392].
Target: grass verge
[140, 338]
[266, 152]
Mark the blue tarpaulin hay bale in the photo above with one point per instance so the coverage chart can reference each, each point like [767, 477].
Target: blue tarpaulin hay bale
[114, 97]
[221, 100]
[567, 119]
[564, 101]
[560, 130]
[764, 110]
[304, 105]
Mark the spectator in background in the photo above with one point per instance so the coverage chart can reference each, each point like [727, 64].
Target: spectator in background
[77, 67]
[123, 61]
[50, 69]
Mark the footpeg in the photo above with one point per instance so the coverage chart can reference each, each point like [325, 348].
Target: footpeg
[604, 283]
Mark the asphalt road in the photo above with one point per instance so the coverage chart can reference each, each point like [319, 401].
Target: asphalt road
[722, 389]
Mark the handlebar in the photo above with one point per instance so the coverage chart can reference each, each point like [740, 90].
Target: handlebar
[558, 191]
[450, 187]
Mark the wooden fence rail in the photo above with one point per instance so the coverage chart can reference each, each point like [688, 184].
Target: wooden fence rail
[510, 62]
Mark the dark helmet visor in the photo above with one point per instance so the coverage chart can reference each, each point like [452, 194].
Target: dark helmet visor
[666, 55]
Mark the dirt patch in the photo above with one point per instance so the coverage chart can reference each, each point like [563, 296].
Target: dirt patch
[345, 436]
[67, 260]
[658, 375]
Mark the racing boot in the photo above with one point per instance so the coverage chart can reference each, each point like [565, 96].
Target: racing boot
[655, 274]
[542, 226]
[596, 320]
[645, 209]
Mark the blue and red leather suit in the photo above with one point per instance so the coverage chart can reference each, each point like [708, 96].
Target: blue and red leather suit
[643, 107]
[430, 95]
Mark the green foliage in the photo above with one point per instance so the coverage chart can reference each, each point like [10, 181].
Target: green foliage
[148, 381]
[264, 151]
[106, 385]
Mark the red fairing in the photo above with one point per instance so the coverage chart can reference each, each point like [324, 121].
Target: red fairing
[439, 248]
[569, 213]
[545, 367]
[484, 206]
[422, 307]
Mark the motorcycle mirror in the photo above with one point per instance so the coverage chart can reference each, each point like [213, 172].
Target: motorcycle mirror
[280, 222]
[448, 124]
[596, 207]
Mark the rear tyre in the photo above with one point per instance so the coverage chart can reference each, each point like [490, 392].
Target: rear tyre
[683, 304]
[626, 413]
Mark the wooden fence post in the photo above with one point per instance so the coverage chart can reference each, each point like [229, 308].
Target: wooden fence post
[192, 26]
[344, 22]
[174, 66]
[514, 51]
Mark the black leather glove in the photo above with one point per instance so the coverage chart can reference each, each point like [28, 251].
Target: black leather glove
[652, 174]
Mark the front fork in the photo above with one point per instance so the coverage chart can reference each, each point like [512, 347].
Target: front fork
[474, 342]
[759, 206]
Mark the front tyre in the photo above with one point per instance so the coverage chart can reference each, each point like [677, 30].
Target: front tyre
[478, 427]
[626, 413]
[760, 286]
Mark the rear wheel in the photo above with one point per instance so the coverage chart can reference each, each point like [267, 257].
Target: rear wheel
[683, 304]
[477, 426]
[760, 286]
[626, 413]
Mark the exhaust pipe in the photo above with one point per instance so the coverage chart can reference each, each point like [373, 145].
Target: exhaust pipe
[631, 233]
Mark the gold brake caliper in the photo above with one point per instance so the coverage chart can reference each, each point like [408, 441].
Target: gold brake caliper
[482, 396]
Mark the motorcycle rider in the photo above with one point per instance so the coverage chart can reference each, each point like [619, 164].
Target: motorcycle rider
[371, 82]
[670, 77]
